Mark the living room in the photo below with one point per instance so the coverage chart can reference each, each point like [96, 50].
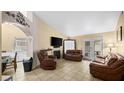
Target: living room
[107, 37]
[87, 55]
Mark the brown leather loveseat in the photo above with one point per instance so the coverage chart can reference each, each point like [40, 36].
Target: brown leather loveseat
[46, 62]
[73, 55]
[111, 69]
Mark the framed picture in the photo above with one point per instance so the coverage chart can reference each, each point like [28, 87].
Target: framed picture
[119, 34]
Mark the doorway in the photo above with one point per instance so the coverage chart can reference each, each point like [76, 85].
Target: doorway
[23, 46]
[17, 40]
[93, 48]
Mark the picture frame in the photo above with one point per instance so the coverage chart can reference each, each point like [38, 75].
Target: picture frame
[119, 34]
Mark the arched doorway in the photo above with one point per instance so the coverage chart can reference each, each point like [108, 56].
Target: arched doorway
[16, 35]
[16, 40]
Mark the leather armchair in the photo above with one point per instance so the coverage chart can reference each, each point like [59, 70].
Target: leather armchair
[46, 62]
[111, 69]
[73, 55]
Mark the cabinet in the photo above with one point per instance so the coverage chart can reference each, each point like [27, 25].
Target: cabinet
[57, 53]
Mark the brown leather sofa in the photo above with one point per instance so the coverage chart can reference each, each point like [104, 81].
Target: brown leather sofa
[111, 69]
[46, 62]
[73, 55]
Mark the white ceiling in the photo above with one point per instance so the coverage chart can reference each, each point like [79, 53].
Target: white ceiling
[73, 23]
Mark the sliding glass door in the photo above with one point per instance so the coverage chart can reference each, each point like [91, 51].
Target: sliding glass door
[89, 50]
[93, 48]
[98, 47]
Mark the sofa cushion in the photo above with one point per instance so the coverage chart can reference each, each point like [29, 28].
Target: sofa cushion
[112, 58]
[119, 62]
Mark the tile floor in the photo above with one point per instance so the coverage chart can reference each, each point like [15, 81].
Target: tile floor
[65, 71]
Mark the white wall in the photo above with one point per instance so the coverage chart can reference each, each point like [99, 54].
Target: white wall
[41, 36]
[9, 33]
[28, 15]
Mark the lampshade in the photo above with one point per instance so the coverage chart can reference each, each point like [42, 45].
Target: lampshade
[111, 45]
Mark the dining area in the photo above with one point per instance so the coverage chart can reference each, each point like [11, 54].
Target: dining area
[9, 61]
[11, 68]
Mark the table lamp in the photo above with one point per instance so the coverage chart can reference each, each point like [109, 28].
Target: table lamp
[110, 46]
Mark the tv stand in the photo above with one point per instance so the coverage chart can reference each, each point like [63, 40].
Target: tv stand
[57, 53]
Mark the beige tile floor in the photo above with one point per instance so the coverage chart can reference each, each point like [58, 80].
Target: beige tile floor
[65, 71]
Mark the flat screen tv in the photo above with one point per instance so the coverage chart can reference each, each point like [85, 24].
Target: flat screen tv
[56, 42]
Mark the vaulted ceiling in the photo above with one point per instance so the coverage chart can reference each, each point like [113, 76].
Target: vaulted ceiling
[73, 23]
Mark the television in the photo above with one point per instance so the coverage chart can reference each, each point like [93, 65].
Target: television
[56, 42]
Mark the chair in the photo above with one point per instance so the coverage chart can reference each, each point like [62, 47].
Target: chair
[46, 62]
[73, 55]
[13, 64]
[111, 69]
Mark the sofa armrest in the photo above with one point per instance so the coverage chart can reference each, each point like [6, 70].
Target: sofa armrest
[99, 66]
[102, 68]
[101, 57]
[97, 61]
